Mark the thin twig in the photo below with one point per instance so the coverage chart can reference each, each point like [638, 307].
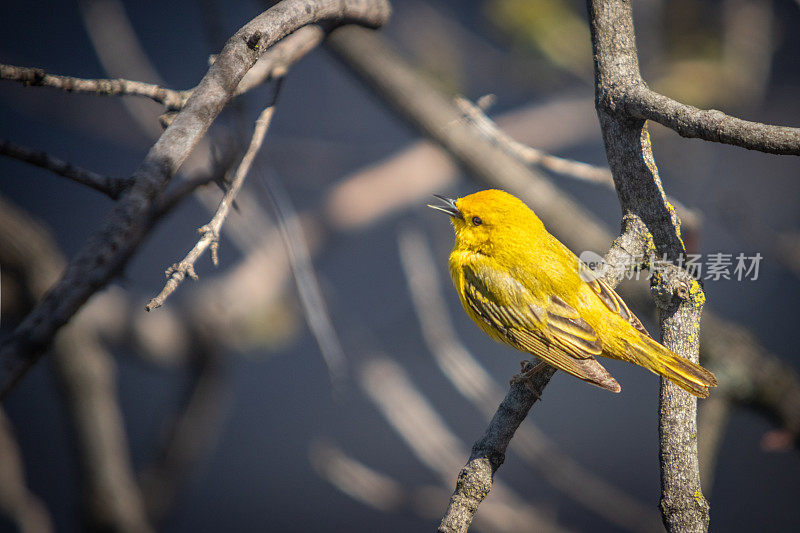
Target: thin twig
[211, 231]
[111, 187]
[476, 479]
[311, 298]
[529, 155]
[112, 245]
[272, 64]
[565, 167]
[37, 77]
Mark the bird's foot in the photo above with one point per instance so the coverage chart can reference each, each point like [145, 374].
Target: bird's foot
[529, 370]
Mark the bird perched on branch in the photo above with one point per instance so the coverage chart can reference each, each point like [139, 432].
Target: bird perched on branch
[526, 289]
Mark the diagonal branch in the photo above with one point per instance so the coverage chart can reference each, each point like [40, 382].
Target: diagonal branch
[211, 231]
[111, 187]
[477, 477]
[529, 155]
[110, 248]
[437, 447]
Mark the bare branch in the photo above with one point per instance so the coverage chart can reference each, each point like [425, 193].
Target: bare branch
[109, 249]
[558, 165]
[709, 124]
[435, 115]
[476, 478]
[211, 231]
[276, 61]
[36, 77]
[435, 445]
[86, 374]
[532, 156]
[111, 187]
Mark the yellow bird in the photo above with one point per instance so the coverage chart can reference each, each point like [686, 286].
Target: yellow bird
[525, 289]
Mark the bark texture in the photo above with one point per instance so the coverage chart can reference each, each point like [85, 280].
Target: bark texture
[651, 228]
[110, 247]
[476, 478]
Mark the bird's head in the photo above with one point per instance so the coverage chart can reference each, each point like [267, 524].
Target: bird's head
[489, 221]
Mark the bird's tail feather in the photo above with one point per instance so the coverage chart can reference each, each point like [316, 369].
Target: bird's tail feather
[687, 375]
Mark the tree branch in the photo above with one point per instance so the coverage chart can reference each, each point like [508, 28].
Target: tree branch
[37, 77]
[529, 155]
[489, 452]
[111, 187]
[109, 249]
[559, 165]
[433, 113]
[211, 231]
[651, 226]
[273, 63]
[709, 124]
[435, 445]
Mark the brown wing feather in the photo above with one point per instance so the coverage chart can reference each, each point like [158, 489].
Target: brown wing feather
[556, 335]
[615, 302]
[568, 329]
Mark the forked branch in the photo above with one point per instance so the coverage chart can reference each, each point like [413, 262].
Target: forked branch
[210, 232]
[111, 247]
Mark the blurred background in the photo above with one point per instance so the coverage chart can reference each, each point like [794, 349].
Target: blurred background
[219, 412]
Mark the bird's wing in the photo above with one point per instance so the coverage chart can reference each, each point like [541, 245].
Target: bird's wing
[616, 304]
[553, 332]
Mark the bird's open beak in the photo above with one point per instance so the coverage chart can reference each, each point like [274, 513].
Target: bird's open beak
[449, 207]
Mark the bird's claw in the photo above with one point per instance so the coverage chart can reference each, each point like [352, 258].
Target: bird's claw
[528, 371]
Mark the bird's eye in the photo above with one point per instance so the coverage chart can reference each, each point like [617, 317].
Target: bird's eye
[476, 221]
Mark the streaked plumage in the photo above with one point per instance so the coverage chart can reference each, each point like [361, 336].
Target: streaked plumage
[524, 288]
